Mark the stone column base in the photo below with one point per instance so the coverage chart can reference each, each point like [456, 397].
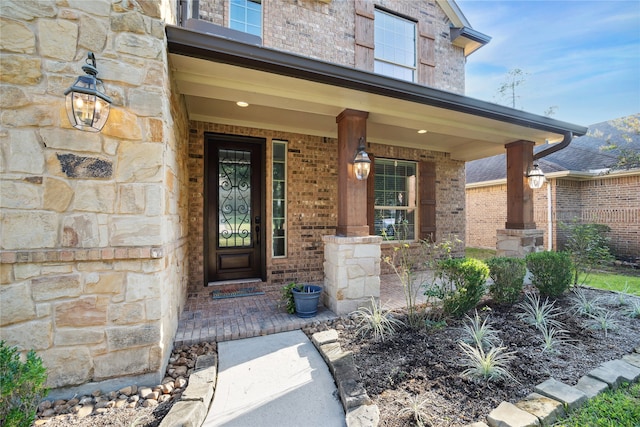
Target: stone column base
[351, 272]
[519, 243]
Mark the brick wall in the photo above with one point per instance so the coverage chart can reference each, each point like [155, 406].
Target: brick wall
[450, 196]
[611, 200]
[326, 31]
[312, 180]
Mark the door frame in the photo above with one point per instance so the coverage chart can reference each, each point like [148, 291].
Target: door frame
[210, 140]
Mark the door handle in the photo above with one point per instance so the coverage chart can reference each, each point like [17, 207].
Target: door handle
[257, 222]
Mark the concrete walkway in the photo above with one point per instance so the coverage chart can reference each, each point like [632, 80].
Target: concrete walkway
[274, 380]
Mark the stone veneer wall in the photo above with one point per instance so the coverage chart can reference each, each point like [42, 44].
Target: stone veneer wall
[312, 180]
[93, 252]
[326, 30]
[609, 199]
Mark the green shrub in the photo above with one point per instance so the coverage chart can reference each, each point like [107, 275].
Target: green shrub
[462, 284]
[508, 276]
[587, 246]
[551, 272]
[21, 387]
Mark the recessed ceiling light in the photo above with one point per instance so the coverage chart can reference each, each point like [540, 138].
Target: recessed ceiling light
[422, 131]
[242, 104]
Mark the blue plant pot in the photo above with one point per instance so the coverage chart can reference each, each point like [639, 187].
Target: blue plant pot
[307, 300]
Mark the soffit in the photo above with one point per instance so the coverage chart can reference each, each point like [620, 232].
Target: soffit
[297, 94]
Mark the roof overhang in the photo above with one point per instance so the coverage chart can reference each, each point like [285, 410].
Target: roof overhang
[468, 39]
[293, 93]
[571, 175]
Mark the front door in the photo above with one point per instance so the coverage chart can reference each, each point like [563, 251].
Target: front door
[234, 231]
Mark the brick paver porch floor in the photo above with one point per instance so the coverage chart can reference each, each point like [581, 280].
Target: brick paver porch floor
[205, 319]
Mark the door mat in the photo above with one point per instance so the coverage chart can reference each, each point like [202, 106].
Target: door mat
[235, 293]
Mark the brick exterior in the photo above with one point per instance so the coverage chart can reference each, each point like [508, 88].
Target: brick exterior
[97, 258]
[312, 199]
[609, 199]
[309, 27]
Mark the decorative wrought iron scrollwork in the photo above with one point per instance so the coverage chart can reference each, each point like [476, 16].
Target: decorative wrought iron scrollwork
[234, 203]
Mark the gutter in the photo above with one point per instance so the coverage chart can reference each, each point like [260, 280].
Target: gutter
[568, 137]
[574, 175]
[181, 41]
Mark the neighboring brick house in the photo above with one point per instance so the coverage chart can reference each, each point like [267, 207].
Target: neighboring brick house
[104, 233]
[580, 186]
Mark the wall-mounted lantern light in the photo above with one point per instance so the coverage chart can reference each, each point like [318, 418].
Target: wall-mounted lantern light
[535, 177]
[361, 163]
[87, 105]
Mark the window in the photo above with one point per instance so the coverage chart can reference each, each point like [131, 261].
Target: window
[395, 46]
[395, 199]
[246, 16]
[279, 192]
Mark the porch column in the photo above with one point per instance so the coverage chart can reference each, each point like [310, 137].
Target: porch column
[352, 193]
[519, 195]
[352, 256]
[520, 235]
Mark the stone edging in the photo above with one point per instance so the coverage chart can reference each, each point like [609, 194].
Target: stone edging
[193, 406]
[552, 399]
[359, 409]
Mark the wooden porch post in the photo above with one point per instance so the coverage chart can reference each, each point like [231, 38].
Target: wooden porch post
[352, 194]
[519, 194]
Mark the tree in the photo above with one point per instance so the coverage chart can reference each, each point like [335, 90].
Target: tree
[587, 246]
[625, 141]
[507, 90]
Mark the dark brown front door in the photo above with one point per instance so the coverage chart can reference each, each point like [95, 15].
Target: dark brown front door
[234, 190]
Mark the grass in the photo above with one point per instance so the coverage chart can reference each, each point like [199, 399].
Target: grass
[613, 282]
[479, 253]
[620, 408]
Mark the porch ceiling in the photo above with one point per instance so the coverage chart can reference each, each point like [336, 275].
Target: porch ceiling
[214, 73]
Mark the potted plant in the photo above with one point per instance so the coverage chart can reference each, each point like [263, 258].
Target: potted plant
[301, 299]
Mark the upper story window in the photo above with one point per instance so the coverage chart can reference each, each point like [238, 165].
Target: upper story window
[395, 199]
[246, 16]
[395, 46]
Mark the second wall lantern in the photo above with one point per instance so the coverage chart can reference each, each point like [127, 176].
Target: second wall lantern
[361, 163]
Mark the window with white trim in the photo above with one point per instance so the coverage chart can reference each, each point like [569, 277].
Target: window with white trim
[246, 16]
[395, 46]
[279, 193]
[395, 199]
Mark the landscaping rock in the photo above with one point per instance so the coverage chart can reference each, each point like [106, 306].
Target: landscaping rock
[632, 359]
[509, 415]
[570, 396]
[546, 409]
[362, 416]
[628, 372]
[591, 386]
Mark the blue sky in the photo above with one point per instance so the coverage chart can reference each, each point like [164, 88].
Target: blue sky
[581, 56]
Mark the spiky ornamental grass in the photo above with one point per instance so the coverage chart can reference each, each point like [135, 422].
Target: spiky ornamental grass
[415, 409]
[375, 321]
[488, 366]
[582, 305]
[537, 313]
[553, 339]
[633, 310]
[479, 332]
[602, 320]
